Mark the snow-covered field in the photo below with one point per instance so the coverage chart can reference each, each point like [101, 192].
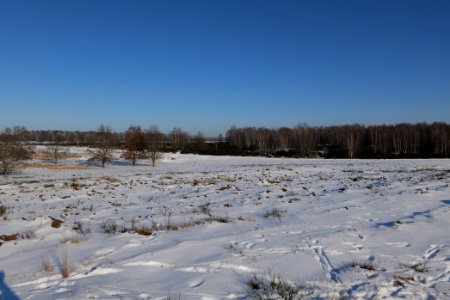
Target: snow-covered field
[200, 227]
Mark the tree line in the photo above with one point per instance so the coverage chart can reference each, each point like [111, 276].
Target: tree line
[420, 140]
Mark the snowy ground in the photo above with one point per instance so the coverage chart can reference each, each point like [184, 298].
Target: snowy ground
[337, 228]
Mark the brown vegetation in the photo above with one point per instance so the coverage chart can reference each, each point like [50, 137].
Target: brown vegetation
[54, 167]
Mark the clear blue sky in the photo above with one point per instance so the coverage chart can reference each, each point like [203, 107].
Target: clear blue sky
[207, 65]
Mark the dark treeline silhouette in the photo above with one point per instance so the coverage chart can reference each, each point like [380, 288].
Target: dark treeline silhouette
[420, 140]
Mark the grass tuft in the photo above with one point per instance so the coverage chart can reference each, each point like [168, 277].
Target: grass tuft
[275, 213]
[64, 263]
[143, 230]
[266, 287]
[2, 210]
[47, 265]
[420, 267]
[110, 227]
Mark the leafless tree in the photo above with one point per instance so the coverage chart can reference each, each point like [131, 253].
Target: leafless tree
[380, 139]
[12, 151]
[219, 140]
[134, 147]
[153, 141]
[304, 139]
[441, 139]
[249, 134]
[178, 138]
[400, 139]
[353, 139]
[284, 138]
[234, 136]
[263, 140]
[105, 143]
[21, 133]
[73, 137]
[56, 147]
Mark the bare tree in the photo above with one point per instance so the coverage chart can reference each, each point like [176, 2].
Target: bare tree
[234, 136]
[284, 138]
[21, 133]
[199, 141]
[441, 138]
[178, 138]
[219, 140]
[353, 139]
[134, 147]
[380, 138]
[73, 137]
[263, 140]
[304, 139]
[153, 140]
[12, 151]
[105, 143]
[249, 136]
[401, 139]
[55, 148]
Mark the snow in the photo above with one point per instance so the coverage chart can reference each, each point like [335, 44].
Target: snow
[331, 217]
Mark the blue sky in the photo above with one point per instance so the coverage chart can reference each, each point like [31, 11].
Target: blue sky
[207, 65]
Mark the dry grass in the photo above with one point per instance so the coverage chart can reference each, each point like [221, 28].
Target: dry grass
[109, 179]
[272, 286]
[47, 265]
[420, 267]
[275, 213]
[186, 225]
[212, 181]
[224, 188]
[145, 231]
[9, 237]
[402, 279]
[172, 227]
[64, 263]
[55, 167]
[56, 223]
[43, 155]
[71, 239]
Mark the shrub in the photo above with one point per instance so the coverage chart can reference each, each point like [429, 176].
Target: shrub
[206, 208]
[402, 279]
[81, 228]
[12, 151]
[219, 219]
[267, 287]
[109, 227]
[420, 267]
[2, 210]
[363, 265]
[143, 230]
[274, 213]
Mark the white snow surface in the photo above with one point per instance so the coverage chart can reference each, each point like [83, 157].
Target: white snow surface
[320, 224]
